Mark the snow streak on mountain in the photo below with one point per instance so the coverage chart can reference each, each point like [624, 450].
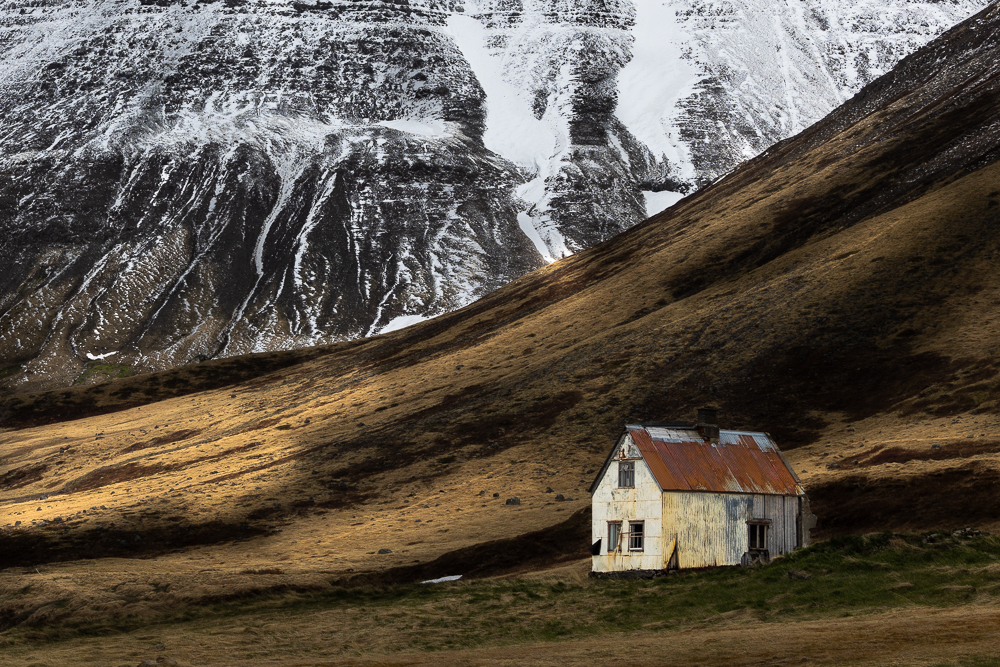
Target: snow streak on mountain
[181, 179]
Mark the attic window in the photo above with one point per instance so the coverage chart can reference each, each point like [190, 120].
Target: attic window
[626, 474]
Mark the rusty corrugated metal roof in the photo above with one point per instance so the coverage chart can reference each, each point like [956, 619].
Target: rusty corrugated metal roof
[741, 462]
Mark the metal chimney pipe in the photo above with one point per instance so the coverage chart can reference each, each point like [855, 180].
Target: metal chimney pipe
[708, 424]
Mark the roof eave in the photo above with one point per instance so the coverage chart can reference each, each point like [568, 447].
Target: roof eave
[607, 461]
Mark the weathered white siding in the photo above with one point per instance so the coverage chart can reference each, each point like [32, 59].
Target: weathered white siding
[641, 503]
[782, 511]
[711, 528]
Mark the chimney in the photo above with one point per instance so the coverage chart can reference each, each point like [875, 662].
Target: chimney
[708, 424]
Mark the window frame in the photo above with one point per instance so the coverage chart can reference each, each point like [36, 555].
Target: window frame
[636, 541]
[626, 472]
[757, 530]
[614, 536]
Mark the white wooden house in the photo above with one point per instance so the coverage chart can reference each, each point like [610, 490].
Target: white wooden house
[677, 496]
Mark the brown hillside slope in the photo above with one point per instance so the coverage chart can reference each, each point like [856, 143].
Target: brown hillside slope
[839, 291]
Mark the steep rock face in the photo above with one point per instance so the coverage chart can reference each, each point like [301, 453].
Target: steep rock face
[645, 100]
[181, 180]
[188, 181]
[562, 58]
[766, 72]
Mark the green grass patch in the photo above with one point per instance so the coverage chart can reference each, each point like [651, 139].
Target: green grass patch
[838, 578]
[101, 368]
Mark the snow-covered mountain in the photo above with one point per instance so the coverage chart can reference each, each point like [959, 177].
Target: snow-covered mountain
[181, 179]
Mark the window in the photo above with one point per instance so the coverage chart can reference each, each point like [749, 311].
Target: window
[757, 535]
[758, 538]
[635, 532]
[626, 474]
[614, 535]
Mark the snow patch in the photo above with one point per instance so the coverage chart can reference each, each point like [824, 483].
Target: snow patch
[402, 322]
[527, 226]
[655, 80]
[537, 146]
[660, 201]
[98, 357]
[425, 127]
[512, 130]
[441, 580]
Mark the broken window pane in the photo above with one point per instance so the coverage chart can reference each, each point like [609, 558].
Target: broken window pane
[635, 529]
[758, 536]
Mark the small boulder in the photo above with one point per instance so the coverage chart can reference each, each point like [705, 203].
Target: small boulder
[966, 533]
[513, 501]
[560, 496]
[385, 551]
[495, 495]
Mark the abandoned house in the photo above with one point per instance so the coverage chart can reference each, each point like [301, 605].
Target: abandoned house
[676, 496]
